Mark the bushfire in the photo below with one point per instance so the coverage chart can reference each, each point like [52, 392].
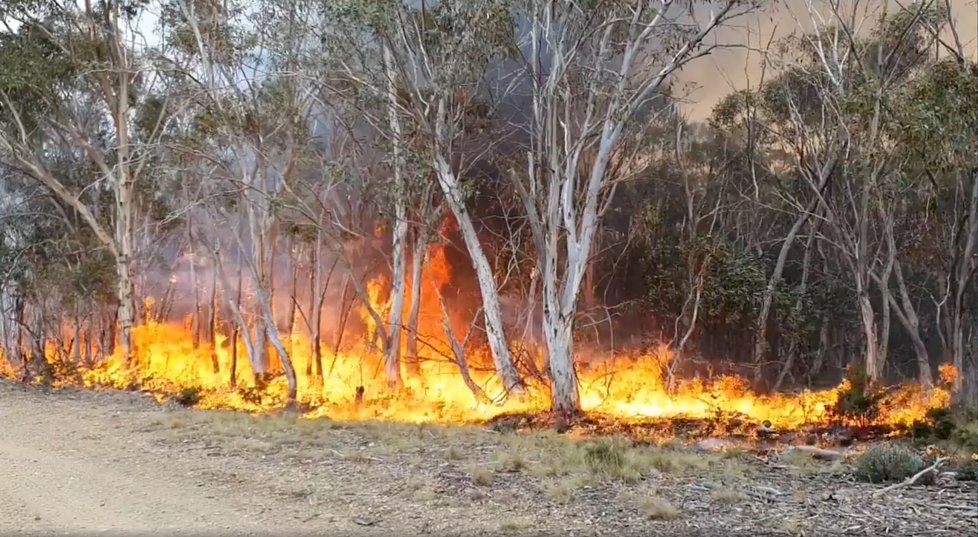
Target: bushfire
[350, 383]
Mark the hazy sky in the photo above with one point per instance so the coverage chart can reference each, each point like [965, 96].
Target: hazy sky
[709, 79]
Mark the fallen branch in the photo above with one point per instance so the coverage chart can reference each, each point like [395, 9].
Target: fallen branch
[817, 453]
[910, 481]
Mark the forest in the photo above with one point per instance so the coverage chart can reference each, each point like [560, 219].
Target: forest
[508, 192]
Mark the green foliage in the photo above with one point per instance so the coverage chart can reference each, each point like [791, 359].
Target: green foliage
[859, 400]
[888, 462]
[33, 71]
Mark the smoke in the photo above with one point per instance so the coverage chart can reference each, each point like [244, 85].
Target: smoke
[739, 65]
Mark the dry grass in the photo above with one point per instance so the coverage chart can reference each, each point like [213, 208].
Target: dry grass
[658, 508]
[729, 496]
[482, 476]
[804, 465]
[515, 525]
[560, 489]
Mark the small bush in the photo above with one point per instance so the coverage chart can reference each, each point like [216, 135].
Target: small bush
[482, 476]
[188, 396]
[604, 457]
[858, 399]
[889, 462]
[965, 437]
[658, 508]
[966, 470]
[729, 496]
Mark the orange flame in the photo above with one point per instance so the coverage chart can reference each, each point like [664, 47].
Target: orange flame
[632, 389]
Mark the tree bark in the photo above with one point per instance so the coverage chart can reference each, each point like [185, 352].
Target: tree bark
[966, 384]
[212, 324]
[564, 397]
[874, 367]
[487, 284]
[392, 353]
[419, 253]
[760, 341]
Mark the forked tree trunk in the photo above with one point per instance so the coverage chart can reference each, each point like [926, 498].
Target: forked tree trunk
[318, 297]
[760, 340]
[487, 283]
[241, 326]
[273, 337]
[802, 288]
[907, 316]
[564, 397]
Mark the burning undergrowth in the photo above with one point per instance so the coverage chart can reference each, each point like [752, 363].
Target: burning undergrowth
[625, 396]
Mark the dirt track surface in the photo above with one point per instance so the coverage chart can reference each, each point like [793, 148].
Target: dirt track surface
[81, 463]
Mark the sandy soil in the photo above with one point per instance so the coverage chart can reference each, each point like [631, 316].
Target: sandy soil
[75, 462]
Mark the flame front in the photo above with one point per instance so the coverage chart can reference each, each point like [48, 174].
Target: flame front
[631, 389]
[353, 384]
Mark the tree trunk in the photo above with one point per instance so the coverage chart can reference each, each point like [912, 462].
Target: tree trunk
[123, 188]
[874, 367]
[290, 331]
[564, 397]
[123, 265]
[212, 324]
[392, 354]
[318, 295]
[235, 334]
[419, 253]
[760, 341]
[458, 352]
[272, 332]
[487, 283]
[241, 326]
[195, 322]
[907, 316]
[806, 263]
[965, 385]
[76, 342]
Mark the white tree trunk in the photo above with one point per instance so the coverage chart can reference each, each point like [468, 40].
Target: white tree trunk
[558, 330]
[874, 366]
[487, 283]
[392, 352]
[419, 253]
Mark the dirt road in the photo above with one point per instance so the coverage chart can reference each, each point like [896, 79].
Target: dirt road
[71, 468]
[76, 462]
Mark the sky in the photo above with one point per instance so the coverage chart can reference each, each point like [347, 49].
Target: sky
[708, 79]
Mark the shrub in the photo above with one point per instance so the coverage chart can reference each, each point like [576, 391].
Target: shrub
[857, 399]
[967, 470]
[657, 508]
[889, 462]
[188, 396]
[604, 457]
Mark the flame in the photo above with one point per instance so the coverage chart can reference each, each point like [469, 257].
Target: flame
[353, 384]
[631, 389]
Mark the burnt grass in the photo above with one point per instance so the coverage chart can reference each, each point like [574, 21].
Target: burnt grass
[529, 475]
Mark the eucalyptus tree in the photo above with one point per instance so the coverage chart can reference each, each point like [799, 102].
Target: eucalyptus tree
[80, 75]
